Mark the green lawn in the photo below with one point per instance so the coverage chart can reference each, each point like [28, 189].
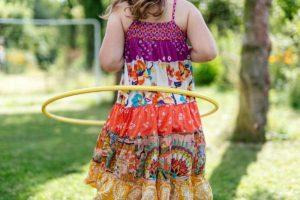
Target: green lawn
[45, 159]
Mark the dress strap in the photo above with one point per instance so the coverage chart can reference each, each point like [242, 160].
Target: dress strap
[173, 11]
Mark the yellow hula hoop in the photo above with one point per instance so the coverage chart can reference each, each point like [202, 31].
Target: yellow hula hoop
[115, 88]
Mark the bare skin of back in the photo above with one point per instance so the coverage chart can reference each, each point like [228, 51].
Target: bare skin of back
[187, 17]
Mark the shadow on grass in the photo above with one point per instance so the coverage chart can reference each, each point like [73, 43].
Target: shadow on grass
[35, 149]
[226, 176]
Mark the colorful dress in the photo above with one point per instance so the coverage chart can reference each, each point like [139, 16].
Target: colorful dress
[152, 145]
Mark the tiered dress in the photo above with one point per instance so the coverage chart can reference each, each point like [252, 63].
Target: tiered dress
[152, 145]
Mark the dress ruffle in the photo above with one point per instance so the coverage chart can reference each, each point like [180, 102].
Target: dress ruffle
[109, 187]
[154, 120]
[150, 152]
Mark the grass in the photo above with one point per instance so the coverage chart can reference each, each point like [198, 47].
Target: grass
[36, 151]
[252, 171]
[44, 159]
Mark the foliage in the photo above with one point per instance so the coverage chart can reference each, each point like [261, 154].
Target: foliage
[229, 48]
[282, 66]
[285, 56]
[12, 34]
[207, 73]
[46, 47]
[289, 7]
[41, 41]
[295, 92]
[9, 9]
[224, 14]
[92, 9]
[224, 18]
[46, 9]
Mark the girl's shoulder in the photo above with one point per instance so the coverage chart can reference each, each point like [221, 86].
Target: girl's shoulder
[182, 12]
[123, 12]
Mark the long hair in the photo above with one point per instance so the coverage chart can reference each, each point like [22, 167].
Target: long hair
[139, 8]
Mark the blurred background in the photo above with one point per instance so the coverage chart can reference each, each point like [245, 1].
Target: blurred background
[253, 141]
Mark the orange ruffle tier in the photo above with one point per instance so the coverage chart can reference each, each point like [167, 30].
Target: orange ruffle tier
[154, 120]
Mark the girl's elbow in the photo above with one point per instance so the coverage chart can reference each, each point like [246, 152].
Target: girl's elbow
[107, 62]
[211, 52]
[204, 53]
[110, 65]
[211, 55]
[205, 56]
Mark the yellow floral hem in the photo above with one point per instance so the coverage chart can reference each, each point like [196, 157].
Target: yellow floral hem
[110, 187]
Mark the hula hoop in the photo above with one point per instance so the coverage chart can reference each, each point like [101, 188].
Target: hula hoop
[122, 88]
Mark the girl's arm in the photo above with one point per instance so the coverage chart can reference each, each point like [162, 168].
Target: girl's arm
[111, 51]
[203, 45]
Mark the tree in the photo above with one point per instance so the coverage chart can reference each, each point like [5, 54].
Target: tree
[72, 32]
[254, 75]
[92, 9]
[224, 15]
[289, 7]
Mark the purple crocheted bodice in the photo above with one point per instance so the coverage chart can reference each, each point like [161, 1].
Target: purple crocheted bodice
[153, 41]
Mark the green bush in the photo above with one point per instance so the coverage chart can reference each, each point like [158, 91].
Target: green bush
[207, 73]
[295, 93]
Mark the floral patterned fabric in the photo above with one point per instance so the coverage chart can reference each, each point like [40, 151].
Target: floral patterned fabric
[152, 73]
[152, 157]
[152, 145]
[158, 166]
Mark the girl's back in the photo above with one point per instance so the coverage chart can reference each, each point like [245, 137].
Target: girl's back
[152, 145]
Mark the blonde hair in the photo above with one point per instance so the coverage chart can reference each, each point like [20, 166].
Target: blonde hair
[139, 8]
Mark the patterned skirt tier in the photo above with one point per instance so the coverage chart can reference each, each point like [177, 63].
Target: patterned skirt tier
[150, 152]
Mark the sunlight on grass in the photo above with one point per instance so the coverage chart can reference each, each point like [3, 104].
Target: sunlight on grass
[65, 187]
[33, 103]
[283, 124]
[275, 174]
[254, 172]
[223, 119]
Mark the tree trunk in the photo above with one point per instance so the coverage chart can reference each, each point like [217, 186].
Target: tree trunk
[92, 9]
[254, 75]
[72, 31]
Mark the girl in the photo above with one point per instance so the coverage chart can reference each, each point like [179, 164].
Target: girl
[152, 145]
